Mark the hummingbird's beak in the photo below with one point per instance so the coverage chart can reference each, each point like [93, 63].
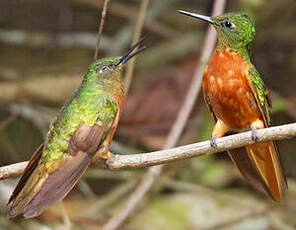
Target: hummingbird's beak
[128, 55]
[199, 16]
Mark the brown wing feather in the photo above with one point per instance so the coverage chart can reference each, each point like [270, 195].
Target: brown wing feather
[39, 193]
[58, 184]
[265, 156]
[28, 171]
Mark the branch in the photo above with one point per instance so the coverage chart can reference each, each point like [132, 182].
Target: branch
[201, 148]
[13, 170]
[102, 23]
[280, 132]
[137, 34]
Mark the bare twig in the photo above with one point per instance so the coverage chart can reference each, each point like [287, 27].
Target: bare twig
[176, 131]
[104, 13]
[202, 148]
[13, 170]
[137, 35]
[179, 153]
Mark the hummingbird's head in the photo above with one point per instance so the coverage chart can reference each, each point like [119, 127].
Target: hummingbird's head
[235, 30]
[111, 67]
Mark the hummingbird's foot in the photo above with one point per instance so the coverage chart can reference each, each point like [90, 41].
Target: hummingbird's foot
[100, 156]
[105, 156]
[213, 142]
[255, 135]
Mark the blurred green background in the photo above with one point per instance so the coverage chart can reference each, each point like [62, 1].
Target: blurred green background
[45, 49]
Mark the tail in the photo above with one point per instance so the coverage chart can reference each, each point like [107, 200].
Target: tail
[40, 189]
[261, 166]
[46, 181]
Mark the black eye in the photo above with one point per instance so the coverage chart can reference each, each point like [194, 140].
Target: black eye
[103, 69]
[228, 25]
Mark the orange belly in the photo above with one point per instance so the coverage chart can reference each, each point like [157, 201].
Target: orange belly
[226, 87]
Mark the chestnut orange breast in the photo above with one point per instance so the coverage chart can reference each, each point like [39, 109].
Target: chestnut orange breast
[225, 84]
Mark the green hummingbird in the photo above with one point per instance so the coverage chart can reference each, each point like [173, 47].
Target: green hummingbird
[82, 131]
[238, 99]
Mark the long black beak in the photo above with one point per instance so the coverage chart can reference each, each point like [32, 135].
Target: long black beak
[199, 16]
[128, 55]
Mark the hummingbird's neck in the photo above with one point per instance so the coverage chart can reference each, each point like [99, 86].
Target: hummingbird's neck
[224, 45]
[114, 86]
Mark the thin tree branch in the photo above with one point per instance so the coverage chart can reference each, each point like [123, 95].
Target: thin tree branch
[137, 34]
[13, 170]
[102, 23]
[176, 131]
[280, 132]
[201, 148]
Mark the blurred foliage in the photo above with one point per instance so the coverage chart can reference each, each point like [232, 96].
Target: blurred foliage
[46, 46]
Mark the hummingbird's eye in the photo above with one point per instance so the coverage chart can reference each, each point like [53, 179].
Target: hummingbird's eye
[228, 24]
[104, 68]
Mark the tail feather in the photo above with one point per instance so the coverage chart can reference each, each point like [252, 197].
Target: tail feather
[242, 161]
[261, 166]
[28, 171]
[40, 192]
[265, 159]
[48, 180]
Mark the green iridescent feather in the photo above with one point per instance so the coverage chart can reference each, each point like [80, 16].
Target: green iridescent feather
[261, 92]
[89, 105]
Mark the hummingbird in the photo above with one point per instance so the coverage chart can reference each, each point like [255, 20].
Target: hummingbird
[82, 130]
[238, 100]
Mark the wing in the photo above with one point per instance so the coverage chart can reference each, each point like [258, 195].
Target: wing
[260, 93]
[205, 94]
[265, 156]
[48, 181]
[28, 171]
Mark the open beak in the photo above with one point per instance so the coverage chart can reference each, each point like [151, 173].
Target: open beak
[199, 16]
[129, 54]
